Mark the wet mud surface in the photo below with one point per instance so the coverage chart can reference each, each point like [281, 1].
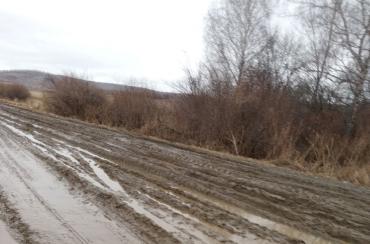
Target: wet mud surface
[5, 236]
[73, 182]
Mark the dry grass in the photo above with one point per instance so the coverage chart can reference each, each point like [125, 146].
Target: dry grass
[37, 100]
[34, 101]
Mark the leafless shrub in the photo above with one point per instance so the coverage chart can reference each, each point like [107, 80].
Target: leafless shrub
[14, 91]
[132, 108]
[76, 98]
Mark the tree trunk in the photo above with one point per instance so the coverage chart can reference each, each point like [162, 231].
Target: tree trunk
[235, 144]
[358, 94]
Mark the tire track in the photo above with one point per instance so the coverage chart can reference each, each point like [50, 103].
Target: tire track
[14, 168]
[219, 190]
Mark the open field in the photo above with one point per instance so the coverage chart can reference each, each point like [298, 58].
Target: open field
[36, 101]
[66, 181]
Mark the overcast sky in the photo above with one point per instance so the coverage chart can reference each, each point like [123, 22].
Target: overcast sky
[110, 40]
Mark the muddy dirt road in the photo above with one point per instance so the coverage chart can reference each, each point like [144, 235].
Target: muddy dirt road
[64, 181]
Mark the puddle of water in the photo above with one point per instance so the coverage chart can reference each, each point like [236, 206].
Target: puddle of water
[86, 177]
[165, 221]
[61, 151]
[255, 219]
[229, 236]
[170, 226]
[5, 236]
[93, 155]
[103, 148]
[47, 206]
[21, 133]
[100, 173]
[67, 154]
[38, 144]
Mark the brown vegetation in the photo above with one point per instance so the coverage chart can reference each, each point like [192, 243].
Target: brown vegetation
[131, 109]
[266, 121]
[260, 94]
[74, 97]
[14, 92]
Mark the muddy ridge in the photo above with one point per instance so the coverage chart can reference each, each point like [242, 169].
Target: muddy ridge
[147, 191]
[12, 219]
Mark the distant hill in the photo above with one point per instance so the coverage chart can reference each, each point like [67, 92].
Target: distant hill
[33, 80]
[37, 80]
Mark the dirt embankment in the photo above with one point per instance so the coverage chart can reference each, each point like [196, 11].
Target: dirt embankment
[161, 193]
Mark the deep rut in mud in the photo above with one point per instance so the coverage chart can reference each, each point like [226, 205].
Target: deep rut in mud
[149, 191]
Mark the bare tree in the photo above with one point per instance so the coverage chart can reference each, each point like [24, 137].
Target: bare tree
[235, 34]
[347, 31]
[353, 31]
[318, 25]
[281, 58]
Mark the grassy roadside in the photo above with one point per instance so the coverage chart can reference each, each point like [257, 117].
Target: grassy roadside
[35, 102]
